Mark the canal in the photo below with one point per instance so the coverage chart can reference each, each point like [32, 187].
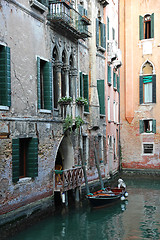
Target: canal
[136, 218]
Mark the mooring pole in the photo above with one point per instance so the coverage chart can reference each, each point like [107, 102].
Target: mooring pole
[97, 165]
[84, 172]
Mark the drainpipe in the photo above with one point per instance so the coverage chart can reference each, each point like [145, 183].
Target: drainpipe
[119, 142]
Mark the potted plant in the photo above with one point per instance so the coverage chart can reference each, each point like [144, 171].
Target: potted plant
[68, 122]
[81, 101]
[65, 100]
[78, 121]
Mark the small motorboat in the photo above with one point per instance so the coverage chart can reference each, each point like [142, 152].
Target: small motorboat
[108, 195]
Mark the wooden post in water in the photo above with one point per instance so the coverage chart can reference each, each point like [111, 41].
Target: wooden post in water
[97, 165]
[84, 172]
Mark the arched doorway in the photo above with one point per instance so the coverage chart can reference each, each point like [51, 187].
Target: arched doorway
[65, 154]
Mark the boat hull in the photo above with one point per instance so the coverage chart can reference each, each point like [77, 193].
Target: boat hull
[103, 198]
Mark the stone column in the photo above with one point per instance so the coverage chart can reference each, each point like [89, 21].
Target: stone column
[66, 70]
[58, 67]
[73, 88]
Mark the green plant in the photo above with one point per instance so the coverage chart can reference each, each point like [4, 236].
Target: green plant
[78, 121]
[65, 100]
[68, 123]
[81, 100]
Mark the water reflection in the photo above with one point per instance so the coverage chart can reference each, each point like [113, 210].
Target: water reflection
[137, 218]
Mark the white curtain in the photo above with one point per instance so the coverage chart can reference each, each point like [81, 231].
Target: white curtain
[147, 92]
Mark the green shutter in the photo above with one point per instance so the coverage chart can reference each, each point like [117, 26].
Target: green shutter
[141, 89]
[107, 28]
[97, 32]
[81, 84]
[154, 126]
[152, 25]
[118, 84]
[32, 158]
[5, 77]
[101, 95]
[141, 28]
[104, 35]
[86, 92]
[114, 80]
[38, 84]
[47, 76]
[109, 74]
[15, 160]
[141, 126]
[154, 88]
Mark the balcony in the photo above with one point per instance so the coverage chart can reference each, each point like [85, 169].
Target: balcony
[68, 179]
[65, 18]
[114, 54]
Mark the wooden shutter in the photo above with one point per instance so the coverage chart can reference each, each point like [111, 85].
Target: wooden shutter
[81, 84]
[38, 83]
[141, 28]
[107, 28]
[154, 88]
[32, 158]
[152, 25]
[154, 125]
[141, 126]
[86, 92]
[15, 160]
[114, 80]
[141, 89]
[97, 32]
[104, 35]
[47, 76]
[5, 77]
[109, 74]
[101, 95]
[118, 84]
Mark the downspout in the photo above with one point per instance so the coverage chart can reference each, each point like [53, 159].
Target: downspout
[119, 142]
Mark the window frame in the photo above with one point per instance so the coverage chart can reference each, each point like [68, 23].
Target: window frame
[5, 77]
[84, 89]
[148, 143]
[100, 35]
[141, 89]
[142, 28]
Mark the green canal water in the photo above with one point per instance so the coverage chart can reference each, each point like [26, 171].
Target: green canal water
[136, 218]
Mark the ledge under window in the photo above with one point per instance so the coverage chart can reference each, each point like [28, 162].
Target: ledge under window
[38, 5]
[44, 111]
[4, 108]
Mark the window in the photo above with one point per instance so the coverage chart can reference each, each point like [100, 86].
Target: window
[24, 158]
[113, 34]
[146, 26]
[101, 95]
[84, 89]
[100, 34]
[44, 81]
[114, 80]
[114, 111]
[5, 76]
[109, 113]
[118, 83]
[148, 148]
[109, 75]
[107, 28]
[147, 126]
[148, 89]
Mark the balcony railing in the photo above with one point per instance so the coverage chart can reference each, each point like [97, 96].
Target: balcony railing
[68, 19]
[68, 179]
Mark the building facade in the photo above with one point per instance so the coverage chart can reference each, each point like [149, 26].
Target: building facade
[139, 42]
[52, 61]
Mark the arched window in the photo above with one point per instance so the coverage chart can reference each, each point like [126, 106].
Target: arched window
[63, 80]
[55, 81]
[147, 83]
[146, 25]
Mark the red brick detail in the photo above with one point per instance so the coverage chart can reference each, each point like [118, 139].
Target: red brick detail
[141, 165]
[8, 208]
